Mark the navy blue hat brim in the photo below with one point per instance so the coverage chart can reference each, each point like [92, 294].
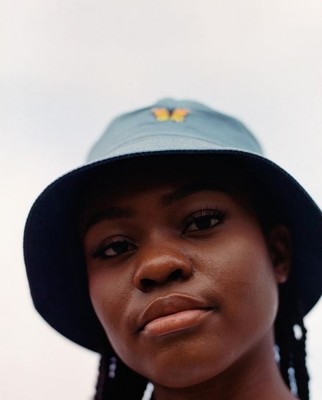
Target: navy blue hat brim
[54, 260]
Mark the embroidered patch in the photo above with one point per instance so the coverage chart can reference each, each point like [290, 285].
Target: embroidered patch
[163, 114]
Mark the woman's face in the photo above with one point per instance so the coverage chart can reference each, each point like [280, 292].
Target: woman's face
[180, 275]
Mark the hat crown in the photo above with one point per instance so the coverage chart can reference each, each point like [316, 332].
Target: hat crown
[173, 125]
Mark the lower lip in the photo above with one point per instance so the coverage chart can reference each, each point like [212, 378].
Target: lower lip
[175, 322]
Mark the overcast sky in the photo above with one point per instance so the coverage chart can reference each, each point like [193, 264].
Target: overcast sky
[68, 67]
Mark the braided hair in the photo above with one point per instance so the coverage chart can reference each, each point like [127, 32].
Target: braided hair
[116, 381]
[290, 338]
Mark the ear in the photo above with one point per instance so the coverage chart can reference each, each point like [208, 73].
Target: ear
[279, 244]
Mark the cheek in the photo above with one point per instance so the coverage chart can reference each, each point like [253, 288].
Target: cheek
[249, 289]
[240, 270]
[109, 299]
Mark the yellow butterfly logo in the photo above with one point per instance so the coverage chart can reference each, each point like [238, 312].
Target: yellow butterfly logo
[163, 114]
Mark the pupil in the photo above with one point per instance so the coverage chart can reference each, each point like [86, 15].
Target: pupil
[203, 222]
[120, 247]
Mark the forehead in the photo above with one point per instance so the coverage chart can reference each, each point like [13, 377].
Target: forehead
[170, 178]
[154, 172]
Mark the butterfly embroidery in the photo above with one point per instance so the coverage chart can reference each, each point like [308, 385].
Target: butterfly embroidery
[163, 114]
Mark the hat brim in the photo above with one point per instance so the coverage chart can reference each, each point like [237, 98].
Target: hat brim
[54, 259]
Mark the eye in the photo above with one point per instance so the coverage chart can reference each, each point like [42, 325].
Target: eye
[204, 219]
[113, 247]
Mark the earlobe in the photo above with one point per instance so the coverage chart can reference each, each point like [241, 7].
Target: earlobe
[279, 243]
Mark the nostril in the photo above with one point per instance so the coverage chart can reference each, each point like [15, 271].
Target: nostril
[147, 284]
[175, 275]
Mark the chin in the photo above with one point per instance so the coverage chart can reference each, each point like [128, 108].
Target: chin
[183, 371]
[182, 380]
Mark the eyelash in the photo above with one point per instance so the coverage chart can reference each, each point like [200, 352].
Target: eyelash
[102, 249]
[203, 216]
[125, 245]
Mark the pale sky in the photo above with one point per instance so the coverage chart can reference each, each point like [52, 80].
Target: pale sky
[68, 67]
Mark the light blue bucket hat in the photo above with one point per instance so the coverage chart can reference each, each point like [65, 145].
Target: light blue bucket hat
[53, 254]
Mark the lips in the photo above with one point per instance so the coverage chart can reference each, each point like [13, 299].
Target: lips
[172, 313]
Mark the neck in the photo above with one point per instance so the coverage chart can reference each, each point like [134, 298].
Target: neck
[255, 376]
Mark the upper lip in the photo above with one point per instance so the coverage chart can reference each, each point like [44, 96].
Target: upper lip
[168, 305]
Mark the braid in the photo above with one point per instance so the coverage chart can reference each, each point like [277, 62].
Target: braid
[117, 382]
[290, 336]
[301, 373]
[290, 333]
[100, 379]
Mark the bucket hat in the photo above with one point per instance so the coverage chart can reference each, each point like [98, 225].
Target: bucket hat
[53, 255]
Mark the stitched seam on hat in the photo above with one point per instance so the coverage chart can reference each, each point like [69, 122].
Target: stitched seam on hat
[171, 134]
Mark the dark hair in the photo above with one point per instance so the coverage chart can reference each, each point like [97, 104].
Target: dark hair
[290, 337]
[117, 381]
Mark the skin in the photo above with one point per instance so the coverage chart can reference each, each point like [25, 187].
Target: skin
[205, 246]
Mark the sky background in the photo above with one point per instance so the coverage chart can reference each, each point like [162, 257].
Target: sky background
[68, 67]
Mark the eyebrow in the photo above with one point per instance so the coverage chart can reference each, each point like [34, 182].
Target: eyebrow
[109, 214]
[187, 190]
[114, 213]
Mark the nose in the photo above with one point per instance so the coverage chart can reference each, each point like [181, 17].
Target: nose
[162, 264]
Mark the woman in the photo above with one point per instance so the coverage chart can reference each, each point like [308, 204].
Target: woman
[182, 256]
